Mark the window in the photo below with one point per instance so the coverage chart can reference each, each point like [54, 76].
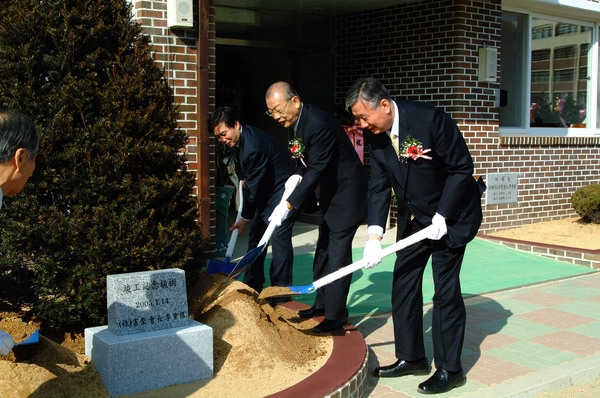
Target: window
[565, 52]
[564, 75]
[545, 71]
[540, 55]
[566, 28]
[540, 76]
[541, 31]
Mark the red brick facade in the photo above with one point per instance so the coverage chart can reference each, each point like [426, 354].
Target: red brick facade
[424, 51]
[191, 76]
[428, 51]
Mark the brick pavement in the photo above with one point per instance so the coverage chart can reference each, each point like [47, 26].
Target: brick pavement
[519, 342]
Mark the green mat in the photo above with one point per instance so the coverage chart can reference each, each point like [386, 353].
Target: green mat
[487, 267]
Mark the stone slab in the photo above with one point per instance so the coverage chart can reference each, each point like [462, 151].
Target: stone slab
[150, 360]
[501, 188]
[145, 301]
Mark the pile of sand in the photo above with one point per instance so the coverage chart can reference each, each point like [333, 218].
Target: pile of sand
[258, 350]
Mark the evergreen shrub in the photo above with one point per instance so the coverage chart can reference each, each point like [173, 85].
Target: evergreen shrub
[111, 193]
[586, 202]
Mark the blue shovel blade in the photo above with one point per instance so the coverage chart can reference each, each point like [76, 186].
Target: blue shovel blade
[285, 291]
[32, 339]
[246, 261]
[216, 266]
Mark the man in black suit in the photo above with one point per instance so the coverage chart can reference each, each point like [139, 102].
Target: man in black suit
[330, 169]
[432, 177]
[265, 165]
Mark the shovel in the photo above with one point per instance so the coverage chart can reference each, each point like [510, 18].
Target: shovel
[226, 266]
[31, 339]
[251, 256]
[287, 291]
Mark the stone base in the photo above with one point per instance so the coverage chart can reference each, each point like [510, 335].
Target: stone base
[146, 361]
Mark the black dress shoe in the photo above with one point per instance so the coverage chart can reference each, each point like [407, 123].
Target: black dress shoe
[329, 326]
[311, 312]
[442, 381]
[403, 368]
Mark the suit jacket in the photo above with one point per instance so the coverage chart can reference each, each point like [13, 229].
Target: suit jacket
[444, 184]
[266, 164]
[334, 171]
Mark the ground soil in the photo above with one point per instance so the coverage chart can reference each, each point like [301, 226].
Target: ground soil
[258, 349]
[570, 232]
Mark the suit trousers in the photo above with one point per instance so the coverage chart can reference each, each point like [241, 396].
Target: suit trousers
[334, 251]
[282, 261]
[448, 314]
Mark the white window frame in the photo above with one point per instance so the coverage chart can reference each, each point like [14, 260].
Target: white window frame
[577, 12]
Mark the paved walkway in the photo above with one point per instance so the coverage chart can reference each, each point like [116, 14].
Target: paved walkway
[519, 342]
[533, 324]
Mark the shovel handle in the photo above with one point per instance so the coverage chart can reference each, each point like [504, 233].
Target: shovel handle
[238, 217]
[232, 242]
[401, 244]
[272, 225]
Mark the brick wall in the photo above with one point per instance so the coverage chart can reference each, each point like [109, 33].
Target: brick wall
[428, 51]
[191, 75]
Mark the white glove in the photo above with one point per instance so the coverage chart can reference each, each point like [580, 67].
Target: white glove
[372, 253]
[6, 343]
[293, 182]
[439, 227]
[279, 214]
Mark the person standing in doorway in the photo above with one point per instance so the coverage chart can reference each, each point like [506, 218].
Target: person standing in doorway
[332, 171]
[418, 151]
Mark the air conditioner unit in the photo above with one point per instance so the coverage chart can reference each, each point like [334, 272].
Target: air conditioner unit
[180, 13]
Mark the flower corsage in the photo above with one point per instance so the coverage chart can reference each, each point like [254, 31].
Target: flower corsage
[297, 149]
[413, 149]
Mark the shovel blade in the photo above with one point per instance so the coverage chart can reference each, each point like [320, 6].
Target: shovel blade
[285, 291]
[31, 339]
[214, 266]
[246, 261]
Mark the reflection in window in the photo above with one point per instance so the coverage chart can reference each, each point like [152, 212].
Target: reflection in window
[564, 75]
[540, 55]
[541, 31]
[555, 92]
[542, 76]
[566, 28]
[598, 97]
[513, 64]
[559, 87]
[565, 52]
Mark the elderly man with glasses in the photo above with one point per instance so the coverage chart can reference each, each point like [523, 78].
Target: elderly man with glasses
[331, 169]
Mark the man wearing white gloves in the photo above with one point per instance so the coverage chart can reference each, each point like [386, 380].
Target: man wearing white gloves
[282, 210]
[19, 144]
[266, 166]
[331, 170]
[418, 151]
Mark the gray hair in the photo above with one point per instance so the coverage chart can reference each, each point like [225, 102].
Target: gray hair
[17, 131]
[367, 89]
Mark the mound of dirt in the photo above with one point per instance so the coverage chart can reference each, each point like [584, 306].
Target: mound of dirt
[258, 350]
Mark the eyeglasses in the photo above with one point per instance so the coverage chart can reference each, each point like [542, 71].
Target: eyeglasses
[270, 113]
